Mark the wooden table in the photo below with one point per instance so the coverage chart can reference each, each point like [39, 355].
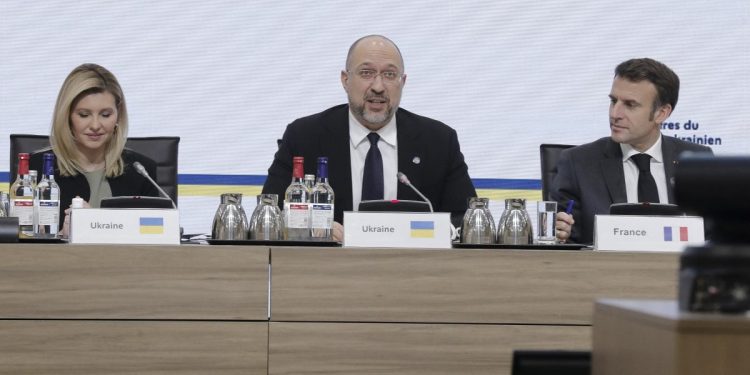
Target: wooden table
[78, 309]
[399, 311]
[654, 337]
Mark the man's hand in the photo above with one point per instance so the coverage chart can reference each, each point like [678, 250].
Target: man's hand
[563, 226]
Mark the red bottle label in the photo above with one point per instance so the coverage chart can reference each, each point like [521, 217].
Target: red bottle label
[298, 170]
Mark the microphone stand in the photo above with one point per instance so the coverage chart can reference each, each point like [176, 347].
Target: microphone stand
[142, 171]
[405, 180]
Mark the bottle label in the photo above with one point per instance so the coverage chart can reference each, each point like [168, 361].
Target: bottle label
[321, 216]
[297, 215]
[23, 209]
[49, 212]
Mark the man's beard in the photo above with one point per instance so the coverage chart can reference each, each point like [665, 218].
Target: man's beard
[379, 119]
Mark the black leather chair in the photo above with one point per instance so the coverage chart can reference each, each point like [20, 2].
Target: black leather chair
[551, 362]
[548, 155]
[163, 150]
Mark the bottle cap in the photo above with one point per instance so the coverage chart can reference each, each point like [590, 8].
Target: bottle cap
[298, 167]
[33, 176]
[77, 203]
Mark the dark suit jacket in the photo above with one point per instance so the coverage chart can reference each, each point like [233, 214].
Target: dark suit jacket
[128, 183]
[441, 174]
[592, 175]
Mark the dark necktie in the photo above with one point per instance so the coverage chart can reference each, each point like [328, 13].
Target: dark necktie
[372, 180]
[646, 185]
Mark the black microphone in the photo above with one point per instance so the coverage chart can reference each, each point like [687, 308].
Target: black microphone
[405, 180]
[142, 171]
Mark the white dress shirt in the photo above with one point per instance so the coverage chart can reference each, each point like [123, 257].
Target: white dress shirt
[359, 145]
[657, 170]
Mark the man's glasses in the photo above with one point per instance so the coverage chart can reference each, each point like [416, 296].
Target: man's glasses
[389, 76]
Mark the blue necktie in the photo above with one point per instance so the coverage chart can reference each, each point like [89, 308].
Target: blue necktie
[372, 180]
[647, 191]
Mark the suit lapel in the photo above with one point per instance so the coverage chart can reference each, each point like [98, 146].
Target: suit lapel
[335, 144]
[612, 171]
[669, 152]
[410, 155]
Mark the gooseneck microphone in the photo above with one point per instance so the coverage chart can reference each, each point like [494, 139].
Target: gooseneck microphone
[142, 171]
[405, 180]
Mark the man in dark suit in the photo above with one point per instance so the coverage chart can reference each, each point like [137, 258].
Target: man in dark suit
[635, 164]
[372, 130]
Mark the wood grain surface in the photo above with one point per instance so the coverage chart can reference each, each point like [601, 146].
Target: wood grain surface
[388, 348]
[72, 309]
[654, 337]
[132, 347]
[465, 286]
[63, 281]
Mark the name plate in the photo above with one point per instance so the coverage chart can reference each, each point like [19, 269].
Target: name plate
[647, 233]
[125, 226]
[397, 229]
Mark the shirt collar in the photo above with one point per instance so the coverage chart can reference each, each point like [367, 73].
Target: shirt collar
[654, 151]
[358, 132]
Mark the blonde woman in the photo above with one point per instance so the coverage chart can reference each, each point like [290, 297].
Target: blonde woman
[89, 130]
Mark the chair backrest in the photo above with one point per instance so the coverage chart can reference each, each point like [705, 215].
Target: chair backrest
[162, 150]
[548, 155]
[29, 143]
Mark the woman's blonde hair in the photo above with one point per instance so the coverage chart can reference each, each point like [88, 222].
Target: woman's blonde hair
[82, 81]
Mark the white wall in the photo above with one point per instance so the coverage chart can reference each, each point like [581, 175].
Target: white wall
[227, 76]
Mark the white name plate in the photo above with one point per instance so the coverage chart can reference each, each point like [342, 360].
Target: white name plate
[647, 233]
[125, 226]
[397, 229]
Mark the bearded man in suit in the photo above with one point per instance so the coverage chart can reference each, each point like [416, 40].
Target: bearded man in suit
[425, 150]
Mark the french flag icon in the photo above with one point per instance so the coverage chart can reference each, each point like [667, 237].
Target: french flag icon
[683, 232]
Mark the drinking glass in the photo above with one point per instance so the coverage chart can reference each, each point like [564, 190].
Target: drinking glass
[545, 222]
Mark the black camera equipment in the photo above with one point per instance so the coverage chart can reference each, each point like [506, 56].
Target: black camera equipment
[715, 277]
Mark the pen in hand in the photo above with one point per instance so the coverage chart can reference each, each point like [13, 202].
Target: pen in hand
[569, 208]
[567, 224]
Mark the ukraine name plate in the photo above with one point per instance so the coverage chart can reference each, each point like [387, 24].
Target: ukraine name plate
[125, 226]
[647, 233]
[397, 229]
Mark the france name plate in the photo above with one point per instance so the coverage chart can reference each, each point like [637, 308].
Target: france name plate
[397, 229]
[647, 233]
[125, 226]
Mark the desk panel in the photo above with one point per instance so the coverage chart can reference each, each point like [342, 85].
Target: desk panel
[655, 337]
[63, 281]
[387, 348]
[464, 286]
[132, 347]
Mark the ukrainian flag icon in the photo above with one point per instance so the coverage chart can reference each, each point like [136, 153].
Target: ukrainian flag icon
[152, 225]
[423, 229]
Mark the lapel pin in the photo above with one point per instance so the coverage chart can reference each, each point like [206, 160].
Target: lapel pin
[416, 160]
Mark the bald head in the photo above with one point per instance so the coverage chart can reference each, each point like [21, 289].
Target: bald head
[373, 41]
[373, 96]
